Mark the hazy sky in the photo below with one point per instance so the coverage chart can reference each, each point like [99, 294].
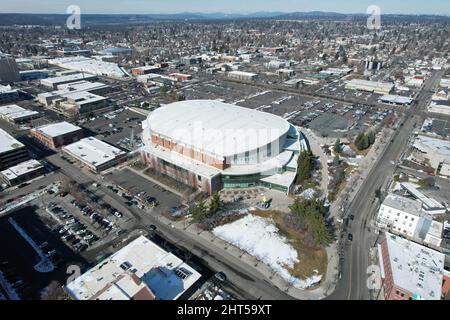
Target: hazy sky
[228, 6]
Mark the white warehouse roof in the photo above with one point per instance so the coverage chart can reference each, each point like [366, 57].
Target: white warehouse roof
[57, 129]
[215, 127]
[93, 151]
[416, 268]
[22, 169]
[8, 143]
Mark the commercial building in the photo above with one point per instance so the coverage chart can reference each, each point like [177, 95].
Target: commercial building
[8, 95]
[210, 145]
[440, 106]
[81, 103]
[336, 71]
[396, 100]
[92, 66]
[47, 98]
[95, 154]
[11, 151]
[15, 114]
[429, 205]
[410, 271]
[191, 60]
[406, 217]
[22, 172]
[56, 81]
[181, 77]
[8, 69]
[145, 70]
[56, 135]
[140, 271]
[432, 152]
[243, 76]
[383, 88]
[29, 75]
[445, 82]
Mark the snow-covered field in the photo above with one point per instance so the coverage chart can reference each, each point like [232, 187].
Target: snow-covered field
[260, 238]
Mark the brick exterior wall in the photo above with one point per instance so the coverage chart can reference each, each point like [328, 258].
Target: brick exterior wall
[188, 152]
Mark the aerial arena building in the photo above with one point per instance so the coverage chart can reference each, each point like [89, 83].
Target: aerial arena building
[210, 145]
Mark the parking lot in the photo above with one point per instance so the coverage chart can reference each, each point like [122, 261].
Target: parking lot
[120, 128]
[18, 262]
[136, 184]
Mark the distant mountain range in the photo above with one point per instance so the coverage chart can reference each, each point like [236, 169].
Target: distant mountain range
[116, 19]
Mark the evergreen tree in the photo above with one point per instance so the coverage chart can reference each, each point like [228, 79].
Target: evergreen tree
[305, 166]
[216, 204]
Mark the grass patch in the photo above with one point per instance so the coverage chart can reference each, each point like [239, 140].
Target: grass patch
[310, 258]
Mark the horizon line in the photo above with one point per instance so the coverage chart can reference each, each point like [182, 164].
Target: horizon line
[232, 13]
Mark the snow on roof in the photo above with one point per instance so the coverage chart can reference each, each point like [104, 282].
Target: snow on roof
[167, 276]
[14, 111]
[8, 143]
[57, 129]
[68, 78]
[416, 268]
[22, 169]
[85, 64]
[6, 89]
[93, 151]
[437, 145]
[396, 99]
[217, 128]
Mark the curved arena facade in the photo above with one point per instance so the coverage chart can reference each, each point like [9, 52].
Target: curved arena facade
[210, 145]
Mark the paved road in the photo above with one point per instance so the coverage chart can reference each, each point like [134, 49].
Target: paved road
[352, 285]
[250, 285]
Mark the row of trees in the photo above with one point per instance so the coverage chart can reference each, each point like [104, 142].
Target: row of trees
[305, 166]
[364, 140]
[203, 211]
[308, 216]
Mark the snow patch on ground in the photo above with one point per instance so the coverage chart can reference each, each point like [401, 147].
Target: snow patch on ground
[308, 194]
[260, 238]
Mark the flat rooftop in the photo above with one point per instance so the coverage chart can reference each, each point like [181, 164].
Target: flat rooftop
[166, 275]
[8, 142]
[22, 169]
[14, 111]
[93, 151]
[6, 89]
[416, 268]
[68, 78]
[215, 127]
[375, 85]
[437, 145]
[242, 73]
[404, 204]
[85, 64]
[57, 129]
[83, 97]
[396, 99]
